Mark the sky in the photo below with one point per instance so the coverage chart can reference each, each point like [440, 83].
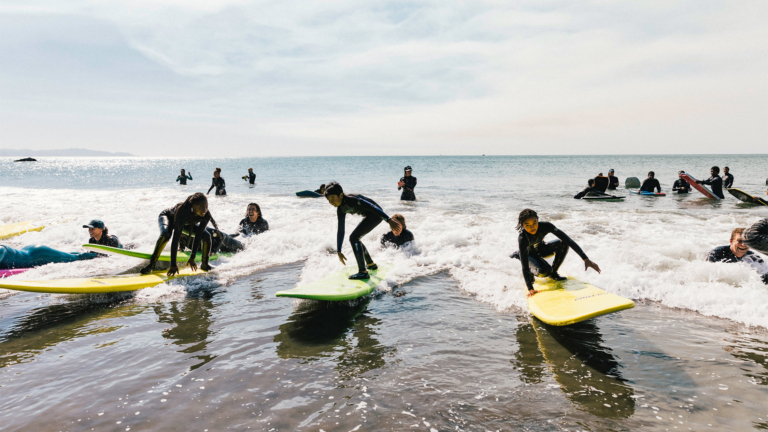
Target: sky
[286, 78]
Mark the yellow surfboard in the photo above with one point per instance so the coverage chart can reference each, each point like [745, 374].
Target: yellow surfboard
[96, 285]
[14, 229]
[570, 301]
[337, 286]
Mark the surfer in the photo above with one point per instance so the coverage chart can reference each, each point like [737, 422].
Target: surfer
[250, 177]
[182, 179]
[253, 223]
[613, 181]
[218, 183]
[100, 234]
[650, 183]
[192, 215]
[715, 181]
[392, 239]
[372, 216]
[407, 183]
[590, 190]
[532, 249]
[738, 251]
[35, 255]
[681, 186]
[727, 178]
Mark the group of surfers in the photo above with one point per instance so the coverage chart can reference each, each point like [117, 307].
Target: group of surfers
[217, 181]
[598, 185]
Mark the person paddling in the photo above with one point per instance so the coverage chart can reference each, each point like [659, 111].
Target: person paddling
[407, 183]
[218, 183]
[532, 249]
[372, 217]
[192, 215]
[183, 177]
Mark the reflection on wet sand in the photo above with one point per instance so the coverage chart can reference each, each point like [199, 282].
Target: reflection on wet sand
[588, 373]
[327, 329]
[191, 320]
[750, 349]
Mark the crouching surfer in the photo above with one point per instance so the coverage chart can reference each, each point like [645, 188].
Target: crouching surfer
[192, 215]
[738, 251]
[372, 217]
[532, 249]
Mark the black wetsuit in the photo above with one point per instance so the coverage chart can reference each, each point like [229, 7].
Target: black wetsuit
[588, 191]
[681, 186]
[223, 243]
[172, 225]
[725, 254]
[613, 182]
[107, 240]
[532, 251]
[220, 186]
[650, 184]
[390, 238]
[183, 179]
[727, 180]
[251, 177]
[410, 183]
[372, 216]
[756, 236]
[248, 228]
[717, 185]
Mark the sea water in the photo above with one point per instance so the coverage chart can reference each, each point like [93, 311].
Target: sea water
[446, 343]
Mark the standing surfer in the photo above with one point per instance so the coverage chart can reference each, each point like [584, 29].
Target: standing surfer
[250, 177]
[681, 186]
[372, 216]
[650, 183]
[218, 183]
[183, 177]
[715, 181]
[727, 178]
[532, 249]
[613, 181]
[407, 183]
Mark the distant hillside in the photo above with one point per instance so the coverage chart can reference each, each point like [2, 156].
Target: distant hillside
[63, 152]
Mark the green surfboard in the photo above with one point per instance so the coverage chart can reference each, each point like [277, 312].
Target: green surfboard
[337, 286]
[180, 256]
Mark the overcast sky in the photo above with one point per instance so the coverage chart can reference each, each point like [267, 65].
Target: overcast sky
[243, 78]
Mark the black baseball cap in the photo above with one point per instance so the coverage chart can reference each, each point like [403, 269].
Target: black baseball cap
[95, 224]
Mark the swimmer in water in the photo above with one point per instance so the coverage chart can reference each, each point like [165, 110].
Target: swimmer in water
[681, 186]
[613, 181]
[192, 215]
[650, 183]
[392, 239]
[253, 223]
[183, 177]
[250, 177]
[407, 183]
[589, 190]
[715, 181]
[532, 249]
[218, 183]
[100, 234]
[372, 216]
[738, 251]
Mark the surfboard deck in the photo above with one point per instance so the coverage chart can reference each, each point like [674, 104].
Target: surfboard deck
[180, 256]
[632, 182]
[610, 198]
[646, 193]
[337, 286]
[12, 230]
[11, 272]
[570, 301]
[308, 194]
[97, 285]
[747, 198]
[701, 188]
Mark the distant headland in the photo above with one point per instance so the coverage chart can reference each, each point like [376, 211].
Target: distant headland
[72, 152]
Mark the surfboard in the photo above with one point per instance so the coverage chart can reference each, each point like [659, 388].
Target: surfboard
[180, 256]
[632, 182]
[646, 193]
[609, 198]
[337, 286]
[14, 229]
[570, 301]
[747, 198]
[96, 285]
[701, 188]
[11, 272]
[308, 194]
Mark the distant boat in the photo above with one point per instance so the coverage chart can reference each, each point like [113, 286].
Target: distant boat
[29, 159]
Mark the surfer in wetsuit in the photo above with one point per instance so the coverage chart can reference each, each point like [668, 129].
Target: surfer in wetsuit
[756, 236]
[532, 249]
[589, 191]
[650, 183]
[613, 181]
[218, 183]
[681, 186]
[397, 240]
[182, 179]
[250, 177]
[372, 216]
[192, 215]
[36, 255]
[320, 190]
[738, 251]
[727, 178]
[253, 223]
[715, 181]
[100, 234]
[407, 183]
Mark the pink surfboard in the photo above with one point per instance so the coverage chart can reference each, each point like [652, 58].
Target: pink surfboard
[701, 188]
[11, 272]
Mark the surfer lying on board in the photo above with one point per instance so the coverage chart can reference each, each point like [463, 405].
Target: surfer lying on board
[650, 183]
[183, 177]
[218, 183]
[738, 251]
[372, 216]
[36, 255]
[192, 215]
[589, 190]
[100, 234]
[681, 186]
[532, 249]
[397, 240]
[253, 223]
[715, 181]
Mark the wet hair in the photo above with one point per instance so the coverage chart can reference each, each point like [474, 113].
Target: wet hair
[250, 169]
[322, 189]
[333, 188]
[399, 218]
[258, 209]
[736, 231]
[651, 173]
[524, 216]
[218, 169]
[193, 200]
[591, 182]
[716, 169]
